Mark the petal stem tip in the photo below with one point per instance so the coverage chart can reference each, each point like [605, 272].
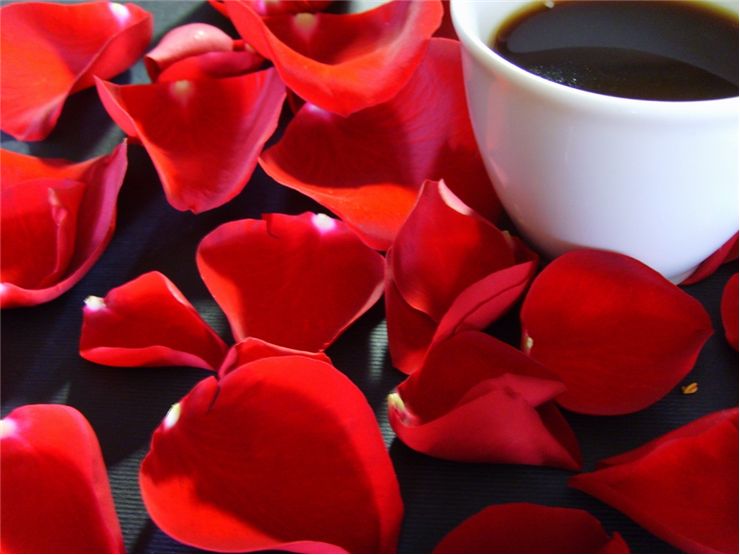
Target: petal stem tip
[172, 416]
[95, 303]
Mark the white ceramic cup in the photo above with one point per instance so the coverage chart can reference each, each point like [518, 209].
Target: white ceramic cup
[651, 179]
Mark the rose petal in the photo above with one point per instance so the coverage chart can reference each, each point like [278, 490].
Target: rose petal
[530, 528]
[148, 322]
[388, 151]
[49, 51]
[199, 51]
[295, 281]
[276, 7]
[729, 310]
[617, 333]
[342, 63]
[63, 212]
[476, 399]
[448, 270]
[56, 497]
[442, 248]
[204, 156]
[41, 215]
[219, 6]
[410, 331]
[251, 349]
[682, 487]
[183, 42]
[213, 65]
[726, 253]
[302, 461]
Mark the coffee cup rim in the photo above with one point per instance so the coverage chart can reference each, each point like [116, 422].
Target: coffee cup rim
[565, 94]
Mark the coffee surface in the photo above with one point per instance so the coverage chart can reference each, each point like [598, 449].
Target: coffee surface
[653, 50]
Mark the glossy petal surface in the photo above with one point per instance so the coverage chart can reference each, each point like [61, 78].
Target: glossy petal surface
[251, 349]
[476, 399]
[530, 528]
[387, 152]
[62, 212]
[683, 486]
[49, 51]
[342, 63]
[448, 270]
[183, 42]
[295, 281]
[729, 310]
[148, 322]
[204, 157]
[618, 334]
[213, 65]
[56, 497]
[281, 453]
[275, 7]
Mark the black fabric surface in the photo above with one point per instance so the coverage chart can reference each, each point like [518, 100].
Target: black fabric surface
[40, 361]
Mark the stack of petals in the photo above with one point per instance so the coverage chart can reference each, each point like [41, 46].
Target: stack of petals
[476, 399]
[277, 449]
[194, 68]
[49, 51]
[289, 283]
[448, 270]
[342, 63]
[62, 212]
[387, 151]
[199, 50]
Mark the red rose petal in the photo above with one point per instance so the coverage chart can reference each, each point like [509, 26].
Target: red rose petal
[276, 7]
[617, 333]
[49, 51]
[219, 6]
[444, 247]
[388, 151]
[476, 399]
[183, 42]
[729, 310]
[199, 51]
[342, 63]
[148, 322]
[683, 487]
[63, 212]
[213, 65]
[726, 253]
[530, 528]
[204, 156]
[251, 349]
[454, 268]
[410, 332]
[295, 281]
[42, 217]
[56, 497]
[302, 461]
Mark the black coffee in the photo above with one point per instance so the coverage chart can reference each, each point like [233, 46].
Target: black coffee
[654, 50]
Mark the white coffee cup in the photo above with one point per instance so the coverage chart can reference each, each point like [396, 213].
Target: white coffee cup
[655, 180]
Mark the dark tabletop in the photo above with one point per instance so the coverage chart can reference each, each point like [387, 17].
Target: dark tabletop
[40, 361]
